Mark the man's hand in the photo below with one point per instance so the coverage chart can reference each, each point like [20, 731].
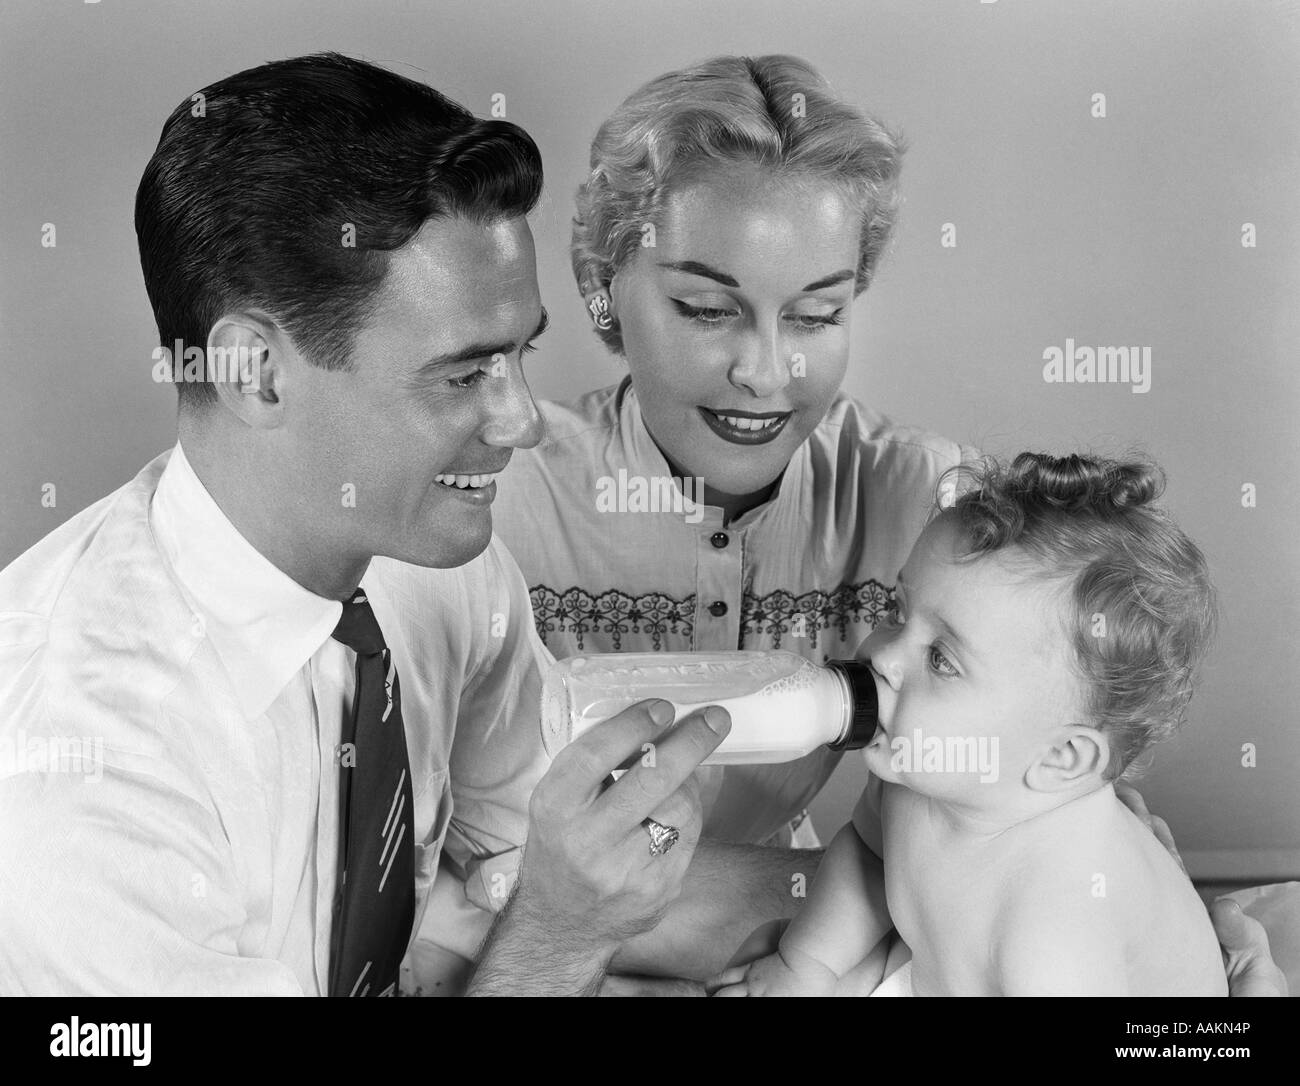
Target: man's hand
[588, 880]
[1247, 959]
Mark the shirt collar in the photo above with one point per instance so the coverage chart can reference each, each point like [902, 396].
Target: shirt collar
[645, 457]
[262, 623]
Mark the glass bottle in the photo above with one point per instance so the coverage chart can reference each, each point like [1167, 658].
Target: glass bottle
[782, 706]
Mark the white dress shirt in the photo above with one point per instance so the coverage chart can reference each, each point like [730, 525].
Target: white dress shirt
[171, 707]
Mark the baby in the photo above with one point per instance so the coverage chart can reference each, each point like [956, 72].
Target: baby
[1046, 629]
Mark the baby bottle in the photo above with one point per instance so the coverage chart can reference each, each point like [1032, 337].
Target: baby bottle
[782, 706]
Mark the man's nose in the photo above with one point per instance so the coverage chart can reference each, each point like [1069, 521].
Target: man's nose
[761, 365]
[513, 420]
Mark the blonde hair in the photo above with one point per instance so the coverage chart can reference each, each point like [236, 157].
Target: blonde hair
[773, 111]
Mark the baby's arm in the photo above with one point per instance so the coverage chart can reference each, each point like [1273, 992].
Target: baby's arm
[846, 914]
[843, 919]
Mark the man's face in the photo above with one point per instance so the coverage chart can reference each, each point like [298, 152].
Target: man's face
[396, 455]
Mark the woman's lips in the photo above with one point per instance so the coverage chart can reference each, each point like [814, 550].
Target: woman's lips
[754, 429]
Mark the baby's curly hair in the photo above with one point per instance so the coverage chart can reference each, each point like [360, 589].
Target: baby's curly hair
[1142, 609]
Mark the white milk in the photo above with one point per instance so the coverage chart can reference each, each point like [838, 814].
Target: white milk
[782, 706]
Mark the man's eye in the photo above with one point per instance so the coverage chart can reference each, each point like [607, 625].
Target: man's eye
[702, 314]
[940, 663]
[469, 380]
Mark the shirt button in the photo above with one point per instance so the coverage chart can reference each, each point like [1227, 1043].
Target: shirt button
[717, 608]
[719, 539]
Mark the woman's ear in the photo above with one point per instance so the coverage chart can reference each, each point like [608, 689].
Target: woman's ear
[1078, 753]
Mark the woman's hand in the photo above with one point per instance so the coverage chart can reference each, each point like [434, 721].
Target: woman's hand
[1132, 799]
[1247, 959]
[1246, 954]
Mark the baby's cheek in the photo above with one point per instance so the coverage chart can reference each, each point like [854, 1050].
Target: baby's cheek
[880, 761]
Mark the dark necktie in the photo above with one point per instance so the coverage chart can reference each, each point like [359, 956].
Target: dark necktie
[374, 903]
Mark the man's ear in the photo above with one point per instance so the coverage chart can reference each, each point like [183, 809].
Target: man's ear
[249, 364]
[1077, 753]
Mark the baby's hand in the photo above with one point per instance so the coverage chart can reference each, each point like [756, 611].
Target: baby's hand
[785, 973]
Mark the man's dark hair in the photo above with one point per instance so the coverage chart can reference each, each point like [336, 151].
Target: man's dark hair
[245, 202]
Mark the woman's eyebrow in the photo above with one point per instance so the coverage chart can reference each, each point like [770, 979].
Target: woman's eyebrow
[831, 280]
[695, 267]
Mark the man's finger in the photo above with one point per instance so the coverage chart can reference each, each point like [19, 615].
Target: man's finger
[666, 766]
[581, 769]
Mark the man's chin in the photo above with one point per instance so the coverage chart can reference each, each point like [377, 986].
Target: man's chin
[440, 551]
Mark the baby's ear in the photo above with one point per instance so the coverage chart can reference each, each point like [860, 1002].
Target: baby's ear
[1077, 754]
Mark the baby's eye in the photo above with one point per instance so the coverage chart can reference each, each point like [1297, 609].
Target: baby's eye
[940, 663]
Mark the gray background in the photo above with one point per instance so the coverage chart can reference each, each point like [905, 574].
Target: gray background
[1117, 231]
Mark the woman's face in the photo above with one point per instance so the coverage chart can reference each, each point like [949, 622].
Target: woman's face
[736, 323]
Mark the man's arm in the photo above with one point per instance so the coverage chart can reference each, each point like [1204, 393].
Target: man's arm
[120, 886]
[728, 891]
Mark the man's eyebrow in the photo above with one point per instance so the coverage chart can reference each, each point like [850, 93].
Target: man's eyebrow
[485, 350]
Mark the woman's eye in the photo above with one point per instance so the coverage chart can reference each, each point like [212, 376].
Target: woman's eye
[940, 663]
[807, 322]
[703, 314]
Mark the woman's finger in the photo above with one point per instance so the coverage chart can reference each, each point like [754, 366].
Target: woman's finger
[1164, 835]
[1132, 799]
[1249, 960]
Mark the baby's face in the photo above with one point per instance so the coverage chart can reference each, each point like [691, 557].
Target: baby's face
[974, 675]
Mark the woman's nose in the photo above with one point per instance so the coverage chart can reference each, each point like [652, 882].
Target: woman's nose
[760, 366]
